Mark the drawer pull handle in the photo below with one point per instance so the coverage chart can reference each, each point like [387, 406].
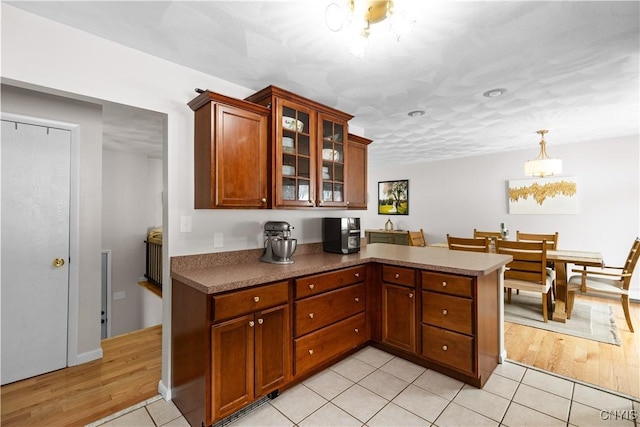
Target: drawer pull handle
[445, 348]
[311, 286]
[357, 274]
[445, 312]
[357, 299]
[256, 299]
[310, 315]
[397, 275]
[411, 295]
[444, 284]
[260, 321]
[251, 323]
[311, 351]
[356, 330]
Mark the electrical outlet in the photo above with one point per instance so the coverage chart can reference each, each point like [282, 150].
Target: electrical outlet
[185, 224]
[218, 240]
[119, 295]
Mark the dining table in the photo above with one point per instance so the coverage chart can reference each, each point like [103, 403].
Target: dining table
[560, 258]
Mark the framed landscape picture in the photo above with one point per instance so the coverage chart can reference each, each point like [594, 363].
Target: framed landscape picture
[393, 197]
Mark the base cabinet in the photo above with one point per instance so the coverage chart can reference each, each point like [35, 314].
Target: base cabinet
[250, 357]
[231, 349]
[399, 308]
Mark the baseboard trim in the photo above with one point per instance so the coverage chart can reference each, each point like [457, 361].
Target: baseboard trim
[81, 358]
[164, 391]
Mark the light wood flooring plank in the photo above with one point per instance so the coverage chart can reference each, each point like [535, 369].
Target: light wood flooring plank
[127, 374]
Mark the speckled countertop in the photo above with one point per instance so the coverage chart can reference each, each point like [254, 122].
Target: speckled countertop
[224, 271]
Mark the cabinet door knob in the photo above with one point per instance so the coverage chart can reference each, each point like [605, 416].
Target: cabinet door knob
[357, 299]
[260, 321]
[256, 299]
[310, 351]
[311, 286]
[445, 348]
[357, 274]
[310, 315]
[444, 284]
[263, 200]
[444, 311]
[347, 203]
[251, 323]
[356, 330]
[397, 275]
[411, 295]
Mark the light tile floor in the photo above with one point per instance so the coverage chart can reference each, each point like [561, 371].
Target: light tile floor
[373, 388]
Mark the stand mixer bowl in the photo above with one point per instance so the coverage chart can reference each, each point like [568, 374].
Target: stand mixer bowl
[284, 248]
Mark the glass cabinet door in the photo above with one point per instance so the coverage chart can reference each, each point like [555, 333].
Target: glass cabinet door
[332, 162]
[295, 151]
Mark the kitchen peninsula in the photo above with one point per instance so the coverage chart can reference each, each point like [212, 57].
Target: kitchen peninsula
[243, 330]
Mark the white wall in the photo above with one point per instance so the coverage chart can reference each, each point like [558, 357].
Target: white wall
[154, 192]
[459, 195]
[125, 211]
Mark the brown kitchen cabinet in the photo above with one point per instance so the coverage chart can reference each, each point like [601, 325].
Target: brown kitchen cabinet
[228, 349]
[458, 324]
[330, 316]
[230, 153]
[399, 307]
[357, 179]
[308, 150]
[250, 358]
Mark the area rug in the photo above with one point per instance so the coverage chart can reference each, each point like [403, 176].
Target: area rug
[593, 321]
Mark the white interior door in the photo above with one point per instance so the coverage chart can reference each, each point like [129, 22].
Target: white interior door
[35, 249]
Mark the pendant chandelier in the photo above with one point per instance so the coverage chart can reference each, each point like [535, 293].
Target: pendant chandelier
[358, 17]
[543, 165]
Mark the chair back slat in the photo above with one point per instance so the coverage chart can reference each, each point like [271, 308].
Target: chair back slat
[630, 264]
[529, 259]
[490, 234]
[551, 239]
[468, 244]
[416, 238]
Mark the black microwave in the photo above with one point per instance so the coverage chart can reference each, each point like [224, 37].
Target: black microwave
[341, 235]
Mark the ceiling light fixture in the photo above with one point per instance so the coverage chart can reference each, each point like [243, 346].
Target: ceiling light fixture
[543, 165]
[357, 17]
[415, 113]
[494, 92]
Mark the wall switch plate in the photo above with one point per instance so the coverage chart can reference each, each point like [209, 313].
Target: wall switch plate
[185, 224]
[218, 240]
[119, 295]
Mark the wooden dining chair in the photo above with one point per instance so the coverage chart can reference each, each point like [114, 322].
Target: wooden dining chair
[606, 282]
[416, 238]
[551, 239]
[490, 234]
[480, 244]
[527, 271]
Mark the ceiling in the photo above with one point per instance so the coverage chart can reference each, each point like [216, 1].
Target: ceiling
[568, 66]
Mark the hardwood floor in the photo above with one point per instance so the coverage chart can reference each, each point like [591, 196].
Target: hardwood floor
[130, 371]
[608, 366]
[127, 374]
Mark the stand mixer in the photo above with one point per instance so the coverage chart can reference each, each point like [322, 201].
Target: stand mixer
[278, 244]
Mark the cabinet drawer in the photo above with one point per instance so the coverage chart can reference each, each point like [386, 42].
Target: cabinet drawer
[448, 283]
[398, 275]
[448, 348]
[320, 346]
[318, 283]
[241, 302]
[321, 310]
[448, 312]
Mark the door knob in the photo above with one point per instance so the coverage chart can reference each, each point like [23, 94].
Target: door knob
[58, 262]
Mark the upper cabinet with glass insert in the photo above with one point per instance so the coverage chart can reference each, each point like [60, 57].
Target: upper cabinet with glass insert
[309, 143]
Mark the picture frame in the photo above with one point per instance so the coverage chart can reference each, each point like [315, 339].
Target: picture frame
[548, 195]
[393, 197]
